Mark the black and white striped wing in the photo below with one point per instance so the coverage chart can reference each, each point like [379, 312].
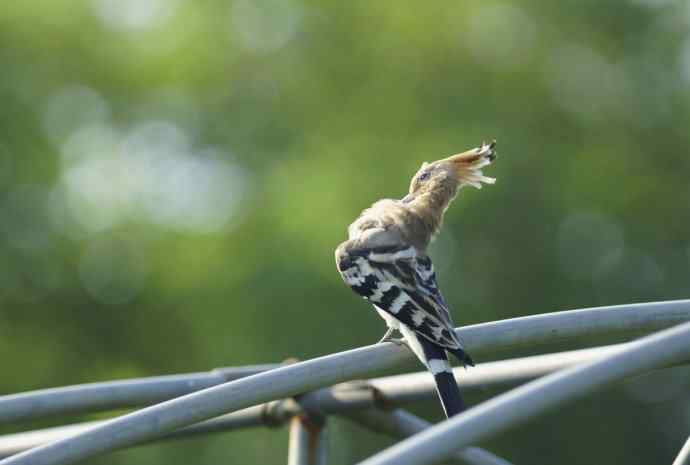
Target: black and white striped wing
[404, 285]
[427, 282]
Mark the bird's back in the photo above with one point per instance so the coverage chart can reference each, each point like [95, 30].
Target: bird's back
[389, 222]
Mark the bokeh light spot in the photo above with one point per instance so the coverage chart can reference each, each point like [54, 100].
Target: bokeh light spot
[502, 36]
[24, 218]
[684, 61]
[587, 85]
[113, 271]
[653, 3]
[265, 25]
[70, 108]
[633, 273]
[133, 15]
[584, 238]
[150, 174]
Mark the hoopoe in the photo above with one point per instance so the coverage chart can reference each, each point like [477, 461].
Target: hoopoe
[385, 261]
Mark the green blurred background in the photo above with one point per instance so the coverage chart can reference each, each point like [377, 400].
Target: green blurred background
[175, 175]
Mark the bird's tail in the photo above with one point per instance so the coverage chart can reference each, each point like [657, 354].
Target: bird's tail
[448, 393]
[446, 386]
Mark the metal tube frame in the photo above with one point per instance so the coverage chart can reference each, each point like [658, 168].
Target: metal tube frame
[152, 422]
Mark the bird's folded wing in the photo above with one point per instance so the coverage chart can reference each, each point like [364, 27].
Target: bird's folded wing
[398, 281]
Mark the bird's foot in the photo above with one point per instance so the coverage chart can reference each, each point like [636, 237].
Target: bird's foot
[398, 341]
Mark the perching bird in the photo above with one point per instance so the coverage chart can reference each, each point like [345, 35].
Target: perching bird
[385, 261]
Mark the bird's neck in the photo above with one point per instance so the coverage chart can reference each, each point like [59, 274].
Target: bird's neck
[430, 207]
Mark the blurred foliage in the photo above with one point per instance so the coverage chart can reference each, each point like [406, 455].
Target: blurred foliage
[175, 174]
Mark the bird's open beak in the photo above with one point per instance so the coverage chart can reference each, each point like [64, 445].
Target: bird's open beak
[468, 165]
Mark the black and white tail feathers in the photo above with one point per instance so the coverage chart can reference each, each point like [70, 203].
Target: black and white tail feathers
[446, 386]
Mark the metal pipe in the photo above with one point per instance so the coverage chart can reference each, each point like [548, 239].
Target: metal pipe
[684, 455]
[95, 397]
[298, 448]
[312, 374]
[399, 423]
[516, 406]
[390, 390]
[308, 441]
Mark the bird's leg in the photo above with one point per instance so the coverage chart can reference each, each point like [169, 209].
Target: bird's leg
[395, 340]
[386, 337]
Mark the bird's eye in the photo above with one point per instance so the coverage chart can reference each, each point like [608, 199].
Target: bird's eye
[424, 176]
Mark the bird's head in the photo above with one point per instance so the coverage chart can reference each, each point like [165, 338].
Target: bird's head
[444, 177]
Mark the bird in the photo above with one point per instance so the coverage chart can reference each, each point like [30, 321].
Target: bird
[385, 261]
